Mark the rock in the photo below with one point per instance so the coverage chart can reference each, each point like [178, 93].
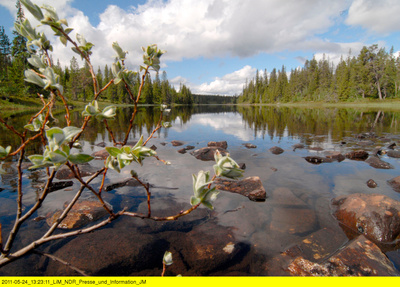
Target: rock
[317, 159]
[249, 145]
[357, 155]
[361, 257]
[125, 182]
[183, 150]
[60, 185]
[395, 183]
[208, 248]
[81, 214]
[296, 146]
[118, 251]
[393, 153]
[335, 155]
[101, 154]
[391, 146]
[221, 144]
[85, 170]
[374, 215]
[376, 162]
[371, 183]
[366, 135]
[207, 153]
[250, 187]
[317, 247]
[293, 220]
[276, 150]
[177, 143]
[101, 144]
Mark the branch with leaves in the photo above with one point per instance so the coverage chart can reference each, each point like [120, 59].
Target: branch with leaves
[61, 144]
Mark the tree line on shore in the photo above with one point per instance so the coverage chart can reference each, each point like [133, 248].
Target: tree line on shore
[373, 74]
[77, 80]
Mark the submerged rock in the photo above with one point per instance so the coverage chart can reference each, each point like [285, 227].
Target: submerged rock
[177, 143]
[249, 145]
[374, 215]
[276, 150]
[393, 153]
[81, 214]
[250, 187]
[357, 155]
[376, 162]
[296, 146]
[361, 257]
[84, 169]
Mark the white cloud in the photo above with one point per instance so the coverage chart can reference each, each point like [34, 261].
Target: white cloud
[214, 28]
[229, 84]
[378, 16]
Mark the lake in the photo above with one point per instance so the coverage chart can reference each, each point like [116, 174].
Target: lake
[299, 193]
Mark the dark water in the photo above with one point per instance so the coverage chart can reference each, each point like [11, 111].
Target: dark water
[299, 193]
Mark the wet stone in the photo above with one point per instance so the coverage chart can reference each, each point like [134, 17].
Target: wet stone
[276, 150]
[361, 257]
[318, 159]
[357, 155]
[296, 146]
[395, 183]
[81, 214]
[250, 187]
[374, 215]
[208, 248]
[249, 145]
[371, 183]
[376, 162]
[393, 153]
[65, 173]
[221, 144]
[207, 153]
[177, 143]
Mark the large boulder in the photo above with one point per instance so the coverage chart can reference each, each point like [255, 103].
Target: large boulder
[121, 250]
[374, 215]
[250, 187]
[206, 249]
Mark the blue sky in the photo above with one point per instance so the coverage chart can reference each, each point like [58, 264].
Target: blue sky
[213, 46]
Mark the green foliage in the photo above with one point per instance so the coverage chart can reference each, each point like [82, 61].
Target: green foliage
[57, 152]
[121, 157]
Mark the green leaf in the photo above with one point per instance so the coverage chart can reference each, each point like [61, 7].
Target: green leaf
[167, 259]
[4, 151]
[33, 9]
[70, 132]
[80, 158]
[113, 151]
[58, 157]
[120, 53]
[32, 77]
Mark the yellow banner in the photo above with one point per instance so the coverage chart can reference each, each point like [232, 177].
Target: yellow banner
[196, 281]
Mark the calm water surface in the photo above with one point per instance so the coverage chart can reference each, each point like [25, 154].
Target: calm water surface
[299, 193]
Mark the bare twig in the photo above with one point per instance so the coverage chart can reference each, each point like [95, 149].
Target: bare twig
[67, 264]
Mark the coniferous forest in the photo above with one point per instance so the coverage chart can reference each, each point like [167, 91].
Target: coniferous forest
[373, 74]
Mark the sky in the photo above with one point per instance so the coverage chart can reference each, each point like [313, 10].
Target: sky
[214, 46]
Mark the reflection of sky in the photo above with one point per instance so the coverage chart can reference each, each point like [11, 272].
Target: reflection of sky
[216, 125]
